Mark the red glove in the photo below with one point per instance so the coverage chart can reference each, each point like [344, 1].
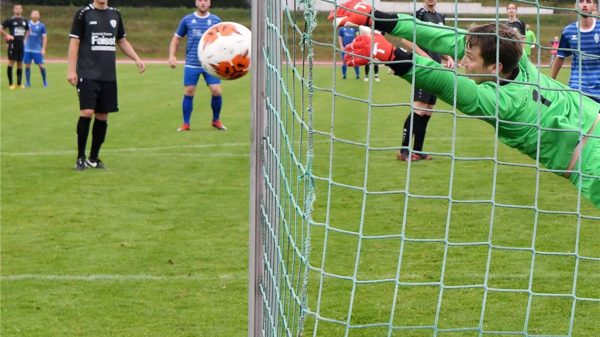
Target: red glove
[355, 12]
[359, 51]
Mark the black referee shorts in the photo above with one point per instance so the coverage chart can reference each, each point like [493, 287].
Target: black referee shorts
[424, 96]
[100, 96]
[16, 50]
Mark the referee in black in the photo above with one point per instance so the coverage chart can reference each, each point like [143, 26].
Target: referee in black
[14, 30]
[97, 30]
[416, 124]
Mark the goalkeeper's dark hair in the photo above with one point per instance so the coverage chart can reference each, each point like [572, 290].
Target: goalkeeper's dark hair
[489, 37]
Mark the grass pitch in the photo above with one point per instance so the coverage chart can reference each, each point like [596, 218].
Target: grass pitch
[156, 244]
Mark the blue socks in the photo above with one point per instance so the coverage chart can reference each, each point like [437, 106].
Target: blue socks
[187, 107]
[216, 103]
[28, 76]
[344, 70]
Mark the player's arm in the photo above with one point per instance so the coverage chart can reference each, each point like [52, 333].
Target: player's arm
[173, 50]
[181, 31]
[556, 65]
[72, 60]
[44, 41]
[77, 31]
[411, 47]
[6, 34]
[472, 99]
[128, 49]
[445, 41]
[430, 36]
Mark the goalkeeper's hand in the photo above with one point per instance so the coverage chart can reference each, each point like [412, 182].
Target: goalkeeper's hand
[359, 52]
[351, 13]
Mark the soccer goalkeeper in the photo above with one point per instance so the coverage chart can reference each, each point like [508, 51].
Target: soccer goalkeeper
[533, 113]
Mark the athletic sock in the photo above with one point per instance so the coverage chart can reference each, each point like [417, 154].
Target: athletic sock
[19, 76]
[83, 128]
[406, 131]
[420, 130]
[9, 72]
[344, 69]
[98, 136]
[216, 103]
[187, 107]
[28, 76]
[357, 71]
[43, 71]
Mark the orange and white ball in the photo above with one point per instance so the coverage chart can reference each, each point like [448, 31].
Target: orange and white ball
[224, 50]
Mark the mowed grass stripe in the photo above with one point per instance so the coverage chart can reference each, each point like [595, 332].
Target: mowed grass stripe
[172, 205]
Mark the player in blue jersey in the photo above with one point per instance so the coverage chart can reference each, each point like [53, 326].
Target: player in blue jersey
[346, 36]
[35, 47]
[582, 41]
[193, 26]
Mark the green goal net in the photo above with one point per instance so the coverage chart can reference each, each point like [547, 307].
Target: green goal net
[349, 241]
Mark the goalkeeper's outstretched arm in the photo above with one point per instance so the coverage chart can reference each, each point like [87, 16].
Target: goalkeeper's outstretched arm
[440, 39]
[429, 75]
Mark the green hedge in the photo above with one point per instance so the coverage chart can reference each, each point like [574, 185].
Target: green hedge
[138, 3]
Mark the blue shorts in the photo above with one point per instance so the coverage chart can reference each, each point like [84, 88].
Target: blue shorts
[38, 58]
[192, 75]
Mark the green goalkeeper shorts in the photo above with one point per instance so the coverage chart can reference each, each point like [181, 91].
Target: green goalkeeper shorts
[590, 166]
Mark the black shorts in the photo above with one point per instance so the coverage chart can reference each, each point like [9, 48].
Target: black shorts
[425, 97]
[16, 50]
[100, 96]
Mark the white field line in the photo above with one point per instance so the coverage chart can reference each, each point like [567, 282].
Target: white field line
[107, 277]
[174, 147]
[128, 150]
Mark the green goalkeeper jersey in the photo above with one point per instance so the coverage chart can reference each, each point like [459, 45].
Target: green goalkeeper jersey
[532, 113]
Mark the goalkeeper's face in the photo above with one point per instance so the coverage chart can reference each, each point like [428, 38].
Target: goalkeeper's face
[475, 65]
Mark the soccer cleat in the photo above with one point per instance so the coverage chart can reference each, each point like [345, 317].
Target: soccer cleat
[94, 163]
[184, 127]
[343, 77]
[22, 86]
[27, 85]
[80, 164]
[45, 84]
[12, 87]
[377, 79]
[218, 125]
[402, 156]
[420, 156]
[366, 79]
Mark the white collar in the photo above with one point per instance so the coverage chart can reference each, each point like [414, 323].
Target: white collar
[591, 28]
[201, 17]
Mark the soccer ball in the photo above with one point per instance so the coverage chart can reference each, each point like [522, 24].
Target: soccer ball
[224, 50]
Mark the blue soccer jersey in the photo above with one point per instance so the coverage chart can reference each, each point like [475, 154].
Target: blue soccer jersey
[347, 34]
[35, 40]
[194, 26]
[584, 46]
